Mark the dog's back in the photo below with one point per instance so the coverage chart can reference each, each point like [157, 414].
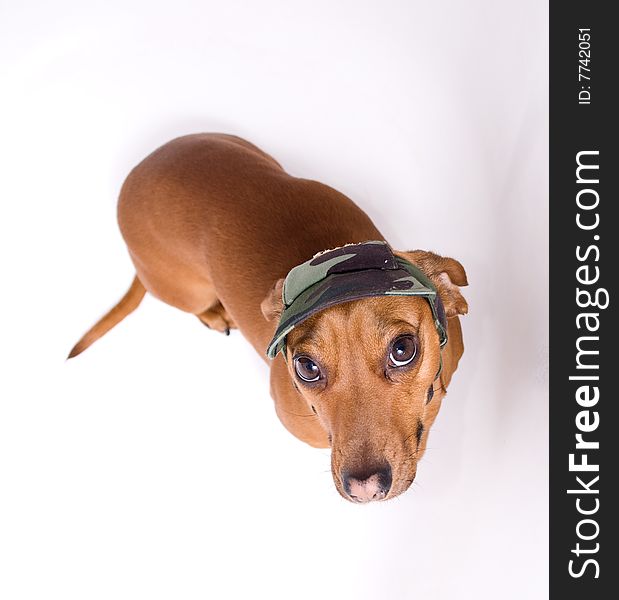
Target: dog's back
[210, 217]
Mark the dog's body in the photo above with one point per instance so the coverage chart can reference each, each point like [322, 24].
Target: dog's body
[212, 223]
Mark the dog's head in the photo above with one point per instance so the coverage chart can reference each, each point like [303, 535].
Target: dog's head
[369, 370]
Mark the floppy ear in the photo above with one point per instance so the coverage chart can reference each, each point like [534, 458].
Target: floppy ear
[447, 274]
[272, 305]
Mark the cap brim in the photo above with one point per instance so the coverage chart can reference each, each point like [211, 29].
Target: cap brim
[339, 288]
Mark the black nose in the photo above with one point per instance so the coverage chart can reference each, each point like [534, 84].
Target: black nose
[365, 485]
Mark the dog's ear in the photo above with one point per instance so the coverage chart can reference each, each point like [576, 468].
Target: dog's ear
[447, 274]
[272, 305]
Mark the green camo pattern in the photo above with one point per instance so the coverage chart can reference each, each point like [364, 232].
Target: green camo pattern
[349, 273]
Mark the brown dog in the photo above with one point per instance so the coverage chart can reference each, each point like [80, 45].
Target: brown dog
[213, 225]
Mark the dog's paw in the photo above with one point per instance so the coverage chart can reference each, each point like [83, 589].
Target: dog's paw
[218, 319]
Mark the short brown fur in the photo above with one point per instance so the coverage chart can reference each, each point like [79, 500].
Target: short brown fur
[213, 224]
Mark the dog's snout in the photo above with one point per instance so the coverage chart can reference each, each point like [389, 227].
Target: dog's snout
[367, 485]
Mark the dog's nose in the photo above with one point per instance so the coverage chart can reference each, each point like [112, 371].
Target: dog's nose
[367, 485]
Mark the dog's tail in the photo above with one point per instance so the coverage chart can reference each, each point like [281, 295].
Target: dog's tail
[128, 303]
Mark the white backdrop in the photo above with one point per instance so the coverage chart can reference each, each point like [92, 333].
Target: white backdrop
[153, 466]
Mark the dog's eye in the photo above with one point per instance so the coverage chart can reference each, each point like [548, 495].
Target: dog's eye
[403, 351]
[306, 368]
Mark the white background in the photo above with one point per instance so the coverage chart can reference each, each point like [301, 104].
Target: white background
[153, 466]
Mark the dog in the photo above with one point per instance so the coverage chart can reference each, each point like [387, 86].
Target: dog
[362, 340]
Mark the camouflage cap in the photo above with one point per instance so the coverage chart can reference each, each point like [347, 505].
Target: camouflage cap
[350, 273]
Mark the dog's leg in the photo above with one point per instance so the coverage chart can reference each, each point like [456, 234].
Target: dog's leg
[217, 318]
